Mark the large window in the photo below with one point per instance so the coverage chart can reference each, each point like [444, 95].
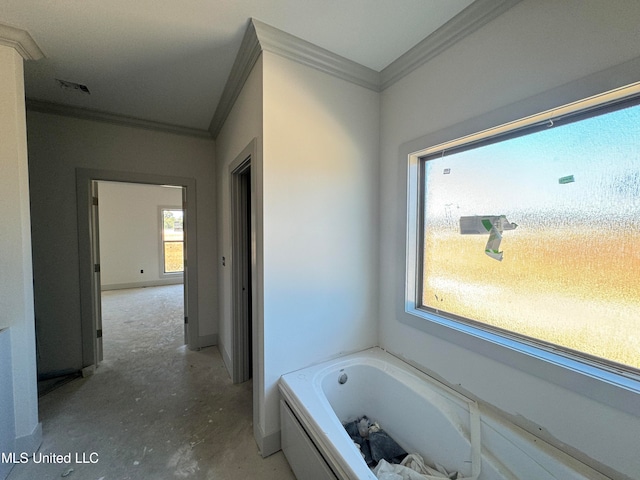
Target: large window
[172, 240]
[534, 234]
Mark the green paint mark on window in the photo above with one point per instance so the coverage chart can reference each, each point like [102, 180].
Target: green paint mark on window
[567, 179]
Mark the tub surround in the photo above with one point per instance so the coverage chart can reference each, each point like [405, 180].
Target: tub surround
[423, 415]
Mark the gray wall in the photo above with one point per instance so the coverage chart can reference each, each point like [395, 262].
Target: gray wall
[57, 146]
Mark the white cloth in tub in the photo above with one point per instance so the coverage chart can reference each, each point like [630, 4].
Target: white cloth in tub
[411, 468]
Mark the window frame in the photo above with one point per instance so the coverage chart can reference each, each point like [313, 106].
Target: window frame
[162, 272]
[594, 378]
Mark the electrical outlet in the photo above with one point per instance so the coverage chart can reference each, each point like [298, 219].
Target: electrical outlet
[141, 271]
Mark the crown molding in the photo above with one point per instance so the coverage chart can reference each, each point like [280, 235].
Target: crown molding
[261, 37]
[19, 39]
[100, 116]
[289, 46]
[246, 58]
[476, 15]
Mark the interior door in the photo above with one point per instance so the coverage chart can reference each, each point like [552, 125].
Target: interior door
[95, 260]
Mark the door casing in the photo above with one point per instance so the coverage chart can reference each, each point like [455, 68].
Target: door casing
[85, 179]
[241, 273]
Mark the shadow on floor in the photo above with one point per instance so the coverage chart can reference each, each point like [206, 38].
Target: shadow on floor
[48, 385]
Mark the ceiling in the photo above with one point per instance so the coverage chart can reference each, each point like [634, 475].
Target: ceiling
[168, 61]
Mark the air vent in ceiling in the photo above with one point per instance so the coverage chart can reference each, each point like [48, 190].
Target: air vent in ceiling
[68, 86]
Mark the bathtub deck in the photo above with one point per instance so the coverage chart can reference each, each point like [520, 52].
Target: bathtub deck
[421, 414]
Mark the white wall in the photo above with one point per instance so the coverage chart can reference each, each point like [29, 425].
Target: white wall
[315, 183]
[243, 124]
[320, 214]
[19, 400]
[535, 47]
[57, 146]
[7, 414]
[130, 234]
[242, 127]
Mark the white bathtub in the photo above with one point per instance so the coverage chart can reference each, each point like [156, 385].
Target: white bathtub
[421, 414]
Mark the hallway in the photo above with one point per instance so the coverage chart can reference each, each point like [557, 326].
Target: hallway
[153, 409]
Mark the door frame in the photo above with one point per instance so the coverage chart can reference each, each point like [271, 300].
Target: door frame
[240, 272]
[96, 285]
[243, 306]
[86, 246]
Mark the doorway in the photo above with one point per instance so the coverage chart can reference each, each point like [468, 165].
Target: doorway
[242, 271]
[141, 260]
[87, 182]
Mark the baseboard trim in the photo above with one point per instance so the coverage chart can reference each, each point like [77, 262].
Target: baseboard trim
[208, 340]
[148, 283]
[30, 443]
[226, 359]
[267, 444]
[271, 444]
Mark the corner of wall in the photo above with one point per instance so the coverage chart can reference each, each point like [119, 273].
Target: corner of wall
[7, 414]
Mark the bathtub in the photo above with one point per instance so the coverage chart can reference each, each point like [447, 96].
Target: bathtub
[424, 416]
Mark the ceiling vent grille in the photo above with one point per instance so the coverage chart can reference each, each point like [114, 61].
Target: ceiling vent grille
[71, 86]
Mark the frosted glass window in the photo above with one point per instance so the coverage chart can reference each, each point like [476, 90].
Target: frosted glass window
[570, 270]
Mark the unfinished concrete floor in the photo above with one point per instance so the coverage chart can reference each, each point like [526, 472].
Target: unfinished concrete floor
[153, 409]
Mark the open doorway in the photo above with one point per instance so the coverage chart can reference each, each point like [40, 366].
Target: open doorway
[242, 275]
[141, 258]
[87, 183]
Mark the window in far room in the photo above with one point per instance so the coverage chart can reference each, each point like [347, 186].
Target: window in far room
[534, 234]
[172, 240]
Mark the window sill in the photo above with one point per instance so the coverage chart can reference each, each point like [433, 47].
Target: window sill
[615, 389]
[171, 274]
